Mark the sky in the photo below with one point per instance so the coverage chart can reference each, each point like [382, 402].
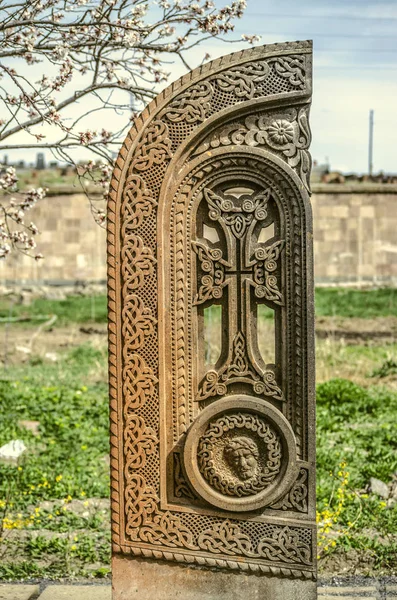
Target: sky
[355, 70]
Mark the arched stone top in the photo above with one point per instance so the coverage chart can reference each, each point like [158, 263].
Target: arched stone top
[241, 120]
[246, 80]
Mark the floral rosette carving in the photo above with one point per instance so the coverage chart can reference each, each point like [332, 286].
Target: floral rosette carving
[239, 454]
[290, 137]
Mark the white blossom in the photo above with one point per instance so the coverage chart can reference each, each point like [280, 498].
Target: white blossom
[82, 51]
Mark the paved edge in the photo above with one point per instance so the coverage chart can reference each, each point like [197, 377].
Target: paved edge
[23, 592]
[351, 589]
[76, 592]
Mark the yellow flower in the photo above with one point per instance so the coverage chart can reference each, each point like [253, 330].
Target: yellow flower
[19, 468]
[58, 478]
[74, 547]
[50, 517]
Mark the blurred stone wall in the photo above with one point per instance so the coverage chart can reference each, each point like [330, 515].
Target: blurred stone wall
[73, 245]
[355, 234]
[355, 239]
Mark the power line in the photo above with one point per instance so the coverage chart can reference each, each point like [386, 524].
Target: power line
[349, 50]
[356, 50]
[337, 35]
[357, 67]
[341, 17]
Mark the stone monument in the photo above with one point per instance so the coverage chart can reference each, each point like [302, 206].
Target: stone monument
[213, 476]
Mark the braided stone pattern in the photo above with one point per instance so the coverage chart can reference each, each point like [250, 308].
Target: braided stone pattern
[116, 297]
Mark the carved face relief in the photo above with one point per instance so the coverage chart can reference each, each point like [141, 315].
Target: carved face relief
[242, 455]
[235, 456]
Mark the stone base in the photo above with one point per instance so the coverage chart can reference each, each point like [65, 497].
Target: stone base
[151, 580]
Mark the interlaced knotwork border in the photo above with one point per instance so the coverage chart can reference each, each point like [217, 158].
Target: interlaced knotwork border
[139, 526]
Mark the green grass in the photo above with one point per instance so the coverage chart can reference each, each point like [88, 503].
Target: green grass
[329, 302]
[74, 309]
[348, 303]
[73, 434]
[358, 427]
[67, 460]
[28, 178]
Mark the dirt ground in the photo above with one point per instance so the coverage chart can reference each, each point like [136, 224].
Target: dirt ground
[20, 344]
[335, 354]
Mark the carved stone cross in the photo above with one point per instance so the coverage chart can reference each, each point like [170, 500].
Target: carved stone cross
[213, 479]
[248, 264]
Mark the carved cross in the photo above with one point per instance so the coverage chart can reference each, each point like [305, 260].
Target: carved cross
[248, 264]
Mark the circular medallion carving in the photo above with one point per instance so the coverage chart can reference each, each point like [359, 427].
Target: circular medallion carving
[240, 454]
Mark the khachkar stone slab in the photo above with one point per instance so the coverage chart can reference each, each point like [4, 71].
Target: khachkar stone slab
[209, 214]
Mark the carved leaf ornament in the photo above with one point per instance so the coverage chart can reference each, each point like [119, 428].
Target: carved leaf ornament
[211, 464]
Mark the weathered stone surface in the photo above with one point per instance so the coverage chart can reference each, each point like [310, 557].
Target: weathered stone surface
[18, 592]
[32, 426]
[212, 460]
[344, 597]
[391, 589]
[12, 451]
[347, 590]
[378, 487]
[76, 592]
[149, 580]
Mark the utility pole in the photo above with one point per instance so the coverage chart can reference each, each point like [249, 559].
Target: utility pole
[370, 142]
